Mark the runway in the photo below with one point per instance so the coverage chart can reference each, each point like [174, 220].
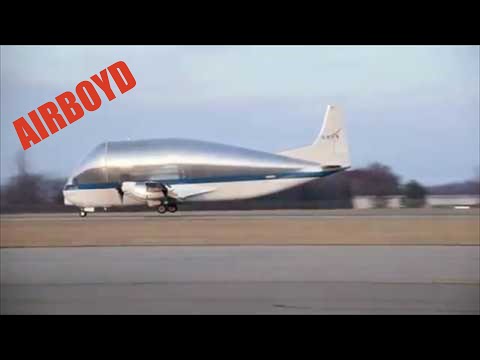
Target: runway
[241, 280]
[406, 213]
[270, 227]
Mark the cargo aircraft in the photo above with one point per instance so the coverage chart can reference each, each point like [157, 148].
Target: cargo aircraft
[163, 173]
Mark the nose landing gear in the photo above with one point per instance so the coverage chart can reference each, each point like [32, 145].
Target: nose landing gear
[84, 211]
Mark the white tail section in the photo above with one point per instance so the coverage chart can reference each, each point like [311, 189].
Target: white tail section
[331, 147]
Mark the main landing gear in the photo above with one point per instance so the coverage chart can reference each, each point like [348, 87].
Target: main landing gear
[163, 208]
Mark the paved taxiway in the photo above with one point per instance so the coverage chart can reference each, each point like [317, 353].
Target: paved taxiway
[241, 279]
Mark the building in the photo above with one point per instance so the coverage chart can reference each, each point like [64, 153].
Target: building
[369, 202]
[452, 200]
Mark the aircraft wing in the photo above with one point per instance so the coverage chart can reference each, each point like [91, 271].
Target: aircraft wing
[155, 190]
[184, 191]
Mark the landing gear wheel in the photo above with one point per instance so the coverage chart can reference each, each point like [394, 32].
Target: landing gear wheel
[162, 209]
[82, 213]
[172, 208]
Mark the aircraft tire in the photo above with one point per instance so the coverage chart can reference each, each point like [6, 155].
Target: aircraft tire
[172, 208]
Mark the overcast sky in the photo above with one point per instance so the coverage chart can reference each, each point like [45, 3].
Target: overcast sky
[415, 109]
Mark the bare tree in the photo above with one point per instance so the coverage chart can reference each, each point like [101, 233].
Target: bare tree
[21, 162]
[23, 188]
[376, 179]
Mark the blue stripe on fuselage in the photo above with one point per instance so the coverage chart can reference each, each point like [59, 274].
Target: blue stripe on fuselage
[213, 179]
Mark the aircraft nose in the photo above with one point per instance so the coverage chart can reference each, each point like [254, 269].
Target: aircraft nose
[67, 189]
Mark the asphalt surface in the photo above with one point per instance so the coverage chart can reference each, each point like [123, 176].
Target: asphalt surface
[241, 280]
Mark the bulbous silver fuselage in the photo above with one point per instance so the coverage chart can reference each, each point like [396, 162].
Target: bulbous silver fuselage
[166, 171]
[178, 161]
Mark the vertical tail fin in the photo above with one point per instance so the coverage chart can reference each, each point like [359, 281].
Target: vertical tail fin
[330, 147]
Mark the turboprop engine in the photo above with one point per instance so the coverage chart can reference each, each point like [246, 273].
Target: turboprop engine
[145, 191]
